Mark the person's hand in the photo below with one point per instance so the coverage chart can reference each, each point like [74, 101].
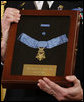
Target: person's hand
[73, 93]
[10, 15]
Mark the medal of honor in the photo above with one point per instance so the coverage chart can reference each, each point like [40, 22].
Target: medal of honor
[41, 45]
[41, 54]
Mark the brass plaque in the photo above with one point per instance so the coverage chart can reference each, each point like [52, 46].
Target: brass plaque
[39, 70]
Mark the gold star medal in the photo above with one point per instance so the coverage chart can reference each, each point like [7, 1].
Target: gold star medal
[41, 54]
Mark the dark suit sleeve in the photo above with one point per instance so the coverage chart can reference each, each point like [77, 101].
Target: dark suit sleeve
[79, 58]
[69, 5]
[12, 4]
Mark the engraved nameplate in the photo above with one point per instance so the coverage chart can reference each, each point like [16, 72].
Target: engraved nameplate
[39, 70]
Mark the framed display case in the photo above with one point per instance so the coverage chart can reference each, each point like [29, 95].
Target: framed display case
[43, 43]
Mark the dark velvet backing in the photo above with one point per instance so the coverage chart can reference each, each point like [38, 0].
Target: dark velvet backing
[31, 26]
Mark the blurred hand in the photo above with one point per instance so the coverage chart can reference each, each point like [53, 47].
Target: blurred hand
[10, 15]
[73, 93]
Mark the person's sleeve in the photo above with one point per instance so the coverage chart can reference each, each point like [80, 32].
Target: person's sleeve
[72, 4]
[79, 58]
[78, 3]
[12, 4]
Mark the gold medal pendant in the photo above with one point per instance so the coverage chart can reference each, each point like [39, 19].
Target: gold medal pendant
[41, 54]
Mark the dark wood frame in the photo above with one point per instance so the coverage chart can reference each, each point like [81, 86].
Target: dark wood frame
[15, 81]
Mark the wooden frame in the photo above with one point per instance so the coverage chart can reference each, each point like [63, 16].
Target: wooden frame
[19, 81]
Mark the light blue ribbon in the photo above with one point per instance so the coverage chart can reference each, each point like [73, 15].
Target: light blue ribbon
[78, 9]
[33, 43]
[45, 25]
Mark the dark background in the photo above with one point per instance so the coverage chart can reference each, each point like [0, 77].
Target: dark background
[31, 26]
